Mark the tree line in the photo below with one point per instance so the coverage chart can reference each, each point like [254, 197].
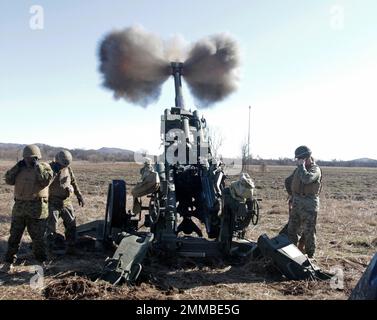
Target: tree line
[14, 152]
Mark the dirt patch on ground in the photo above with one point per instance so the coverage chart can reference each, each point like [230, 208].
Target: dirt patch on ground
[304, 288]
[75, 288]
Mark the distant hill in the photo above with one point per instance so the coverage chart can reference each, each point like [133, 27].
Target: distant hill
[365, 160]
[361, 162]
[114, 151]
[13, 151]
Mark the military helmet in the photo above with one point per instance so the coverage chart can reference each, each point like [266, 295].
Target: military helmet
[246, 180]
[147, 161]
[148, 166]
[302, 152]
[64, 158]
[32, 150]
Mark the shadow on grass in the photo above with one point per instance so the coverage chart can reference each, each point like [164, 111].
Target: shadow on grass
[188, 273]
[16, 278]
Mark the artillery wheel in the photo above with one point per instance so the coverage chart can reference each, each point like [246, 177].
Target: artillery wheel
[255, 212]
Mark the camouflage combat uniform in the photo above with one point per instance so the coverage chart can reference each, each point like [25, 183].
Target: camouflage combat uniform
[288, 188]
[30, 209]
[239, 192]
[150, 182]
[60, 204]
[306, 185]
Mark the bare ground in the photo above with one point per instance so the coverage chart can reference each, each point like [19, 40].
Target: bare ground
[346, 230]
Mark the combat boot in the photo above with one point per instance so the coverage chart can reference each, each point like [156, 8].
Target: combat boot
[310, 254]
[10, 258]
[7, 268]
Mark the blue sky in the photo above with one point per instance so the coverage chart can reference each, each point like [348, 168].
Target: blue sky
[308, 81]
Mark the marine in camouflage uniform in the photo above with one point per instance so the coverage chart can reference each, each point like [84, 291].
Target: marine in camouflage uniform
[306, 186]
[235, 197]
[150, 182]
[60, 203]
[242, 189]
[238, 193]
[30, 179]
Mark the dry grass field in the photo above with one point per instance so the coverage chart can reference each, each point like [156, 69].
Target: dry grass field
[346, 238]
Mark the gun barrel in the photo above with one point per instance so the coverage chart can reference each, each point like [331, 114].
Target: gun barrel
[177, 68]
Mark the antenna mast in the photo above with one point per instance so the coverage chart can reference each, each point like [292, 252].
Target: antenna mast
[248, 142]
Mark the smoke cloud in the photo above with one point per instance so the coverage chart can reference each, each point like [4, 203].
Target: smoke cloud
[211, 69]
[135, 64]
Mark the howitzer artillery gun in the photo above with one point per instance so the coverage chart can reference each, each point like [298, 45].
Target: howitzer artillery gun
[184, 185]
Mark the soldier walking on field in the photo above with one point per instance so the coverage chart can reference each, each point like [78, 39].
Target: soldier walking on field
[305, 186]
[30, 179]
[60, 204]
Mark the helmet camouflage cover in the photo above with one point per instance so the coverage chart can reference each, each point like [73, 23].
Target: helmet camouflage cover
[302, 152]
[64, 158]
[32, 150]
[243, 188]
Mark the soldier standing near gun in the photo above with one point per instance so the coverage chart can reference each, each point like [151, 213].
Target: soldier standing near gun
[288, 188]
[30, 179]
[305, 186]
[60, 205]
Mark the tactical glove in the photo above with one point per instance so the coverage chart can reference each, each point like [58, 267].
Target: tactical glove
[21, 164]
[56, 167]
[80, 200]
[300, 162]
[35, 162]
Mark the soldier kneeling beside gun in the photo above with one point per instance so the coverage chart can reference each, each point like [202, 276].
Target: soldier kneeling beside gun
[239, 209]
[150, 182]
